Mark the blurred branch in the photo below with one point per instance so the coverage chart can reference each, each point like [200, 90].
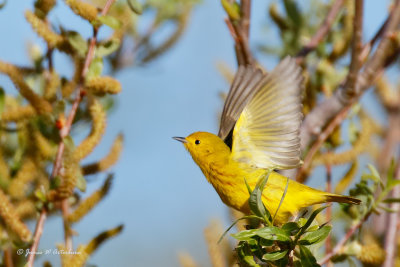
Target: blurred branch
[344, 96]
[391, 230]
[64, 132]
[239, 29]
[322, 31]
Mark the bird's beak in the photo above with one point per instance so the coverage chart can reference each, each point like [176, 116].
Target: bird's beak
[180, 139]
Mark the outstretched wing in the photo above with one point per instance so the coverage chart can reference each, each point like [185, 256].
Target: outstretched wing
[240, 93]
[267, 132]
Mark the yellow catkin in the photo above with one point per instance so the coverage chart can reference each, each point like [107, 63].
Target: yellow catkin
[38, 103]
[347, 178]
[52, 84]
[103, 85]
[43, 7]
[68, 178]
[44, 147]
[83, 9]
[215, 251]
[89, 203]
[99, 123]
[22, 182]
[359, 146]
[108, 161]
[43, 30]
[4, 171]
[385, 91]
[68, 88]
[12, 220]
[99, 239]
[16, 114]
[372, 254]
[185, 260]
[26, 209]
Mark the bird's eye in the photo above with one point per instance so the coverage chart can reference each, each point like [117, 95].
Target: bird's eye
[197, 142]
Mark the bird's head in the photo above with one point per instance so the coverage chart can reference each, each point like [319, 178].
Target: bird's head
[204, 146]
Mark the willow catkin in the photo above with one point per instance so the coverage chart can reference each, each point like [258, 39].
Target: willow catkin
[25, 208]
[347, 178]
[11, 219]
[69, 86]
[89, 203]
[215, 251]
[98, 127]
[83, 9]
[185, 260]
[68, 178]
[4, 171]
[43, 30]
[43, 7]
[99, 239]
[103, 85]
[22, 182]
[359, 146]
[17, 114]
[39, 104]
[109, 160]
[43, 146]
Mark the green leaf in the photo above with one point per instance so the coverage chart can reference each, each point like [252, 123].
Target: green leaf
[244, 235]
[2, 100]
[245, 254]
[274, 256]
[235, 222]
[307, 258]
[95, 68]
[135, 6]
[310, 220]
[107, 48]
[392, 200]
[231, 9]
[316, 236]
[282, 198]
[291, 228]
[255, 201]
[78, 43]
[273, 233]
[110, 21]
[40, 194]
[3, 4]
[293, 13]
[81, 182]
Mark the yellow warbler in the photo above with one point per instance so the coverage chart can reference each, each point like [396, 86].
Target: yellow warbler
[259, 132]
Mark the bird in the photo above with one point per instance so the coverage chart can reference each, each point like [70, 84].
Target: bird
[259, 135]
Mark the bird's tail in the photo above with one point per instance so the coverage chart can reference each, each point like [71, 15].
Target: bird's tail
[342, 199]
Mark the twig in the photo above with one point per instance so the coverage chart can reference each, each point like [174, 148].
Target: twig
[8, 260]
[328, 241]
[240, 33]
[343, 241]
[322, 31]
[391, 233]
[300, 177]
[36, 237]
[326, 110]
[64, 131]
[355, 64]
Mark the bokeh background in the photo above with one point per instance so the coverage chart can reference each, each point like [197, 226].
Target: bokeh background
[159, 194]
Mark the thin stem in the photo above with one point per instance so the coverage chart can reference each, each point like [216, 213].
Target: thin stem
[322, 31]
[8, 260]
[328, 242]
[391, 234]
[319, 142]
[36, 237]
[343, 241]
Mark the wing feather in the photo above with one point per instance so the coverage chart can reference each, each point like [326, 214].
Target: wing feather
[266, 134]
[241, 91]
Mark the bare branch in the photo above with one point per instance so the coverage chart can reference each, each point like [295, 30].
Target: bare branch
[322, 31]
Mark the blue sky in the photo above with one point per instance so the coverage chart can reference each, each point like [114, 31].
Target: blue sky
[159, 194]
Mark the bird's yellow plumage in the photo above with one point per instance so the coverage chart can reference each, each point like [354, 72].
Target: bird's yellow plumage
[259, 132]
